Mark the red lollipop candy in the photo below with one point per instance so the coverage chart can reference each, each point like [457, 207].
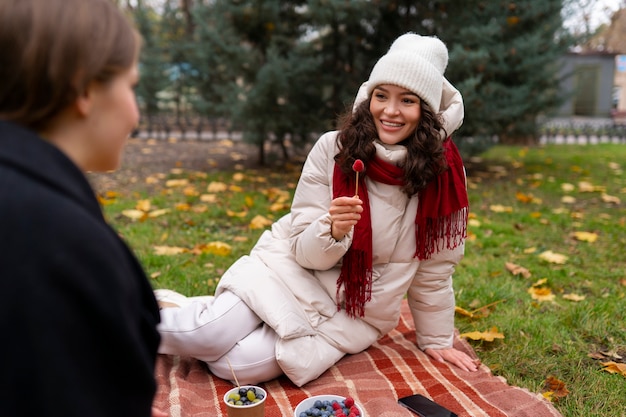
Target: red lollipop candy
[357, 167]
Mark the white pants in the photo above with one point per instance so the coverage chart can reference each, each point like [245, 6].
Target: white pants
[219, 330]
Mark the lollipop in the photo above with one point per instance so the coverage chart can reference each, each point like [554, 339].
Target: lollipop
[357, 167]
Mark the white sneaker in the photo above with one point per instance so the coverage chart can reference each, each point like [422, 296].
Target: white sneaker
[169, 298]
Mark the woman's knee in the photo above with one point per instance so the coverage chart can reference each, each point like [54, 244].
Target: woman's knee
[206, 329]
[252, 360]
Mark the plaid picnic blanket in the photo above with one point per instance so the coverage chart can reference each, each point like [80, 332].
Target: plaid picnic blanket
[392, 368]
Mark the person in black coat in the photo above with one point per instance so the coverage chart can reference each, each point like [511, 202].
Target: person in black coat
[78, 316]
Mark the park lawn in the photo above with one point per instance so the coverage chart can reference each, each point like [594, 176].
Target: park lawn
[540, 292]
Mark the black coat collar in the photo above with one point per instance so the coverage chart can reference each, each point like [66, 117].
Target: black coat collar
[26, 152]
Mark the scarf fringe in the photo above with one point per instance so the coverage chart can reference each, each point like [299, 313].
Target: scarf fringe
[357, 288]
[445, 232]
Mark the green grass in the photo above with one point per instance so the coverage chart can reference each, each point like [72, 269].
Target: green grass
[542, 339]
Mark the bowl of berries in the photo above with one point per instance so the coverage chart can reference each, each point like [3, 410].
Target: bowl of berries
[246, 401]
[329, 405]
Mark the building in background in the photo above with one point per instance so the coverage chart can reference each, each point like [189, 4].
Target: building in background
[588, 82]
[612, 39]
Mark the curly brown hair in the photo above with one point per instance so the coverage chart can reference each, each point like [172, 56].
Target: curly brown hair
[425, 152]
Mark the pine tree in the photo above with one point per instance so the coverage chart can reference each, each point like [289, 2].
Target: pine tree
[504, 59]
[262, 73]
[152, 63]
[286, 69]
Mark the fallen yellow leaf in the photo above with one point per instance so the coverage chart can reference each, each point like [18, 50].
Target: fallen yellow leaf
[260, 222]
[182, 207]
[169, 250]
[279, 206]
[216, 187]
[554, 388]
[463, 312]
[587, 187]
[143, 205]
[517, 270]
[177, 183]
[524, 198]
[157, 213]
[610, 199]
[499, 208]
[487, 336]
[200, 208]
[217, 248]
[473, 222]
[190, 191]
[134, 214]
[111, 194]
[541, 293]
[104, 201]
[479, 312]
[274, 194]
[586, 236]
[552, 257]
[208, 198]
[614, 368]
[231, 213]
[573, 297]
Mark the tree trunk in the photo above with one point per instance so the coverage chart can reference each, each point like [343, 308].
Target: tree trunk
[261, 158]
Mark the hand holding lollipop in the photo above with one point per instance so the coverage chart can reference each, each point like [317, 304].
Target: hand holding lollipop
[357, 167]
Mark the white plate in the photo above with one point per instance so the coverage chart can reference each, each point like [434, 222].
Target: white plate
[308, 403]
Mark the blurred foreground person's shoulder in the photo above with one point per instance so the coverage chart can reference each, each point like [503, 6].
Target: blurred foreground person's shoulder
[78, 317]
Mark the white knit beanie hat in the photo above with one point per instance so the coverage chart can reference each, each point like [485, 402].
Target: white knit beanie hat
[416, 63]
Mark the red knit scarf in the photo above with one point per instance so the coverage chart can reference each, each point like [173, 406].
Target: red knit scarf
[440, 221]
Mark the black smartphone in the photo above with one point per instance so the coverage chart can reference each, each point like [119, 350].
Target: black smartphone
[425, 407]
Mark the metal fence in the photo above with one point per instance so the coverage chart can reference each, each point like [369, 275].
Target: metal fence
[574, 130]
[584, 131]
[165, 126]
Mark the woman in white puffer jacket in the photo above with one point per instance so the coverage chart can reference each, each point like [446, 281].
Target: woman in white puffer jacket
[328, 279]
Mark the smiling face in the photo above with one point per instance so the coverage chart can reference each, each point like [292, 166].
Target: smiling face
[396, 112]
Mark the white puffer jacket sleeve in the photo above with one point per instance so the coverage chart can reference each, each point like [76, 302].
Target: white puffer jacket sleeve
[311, 239]
[431, 299]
